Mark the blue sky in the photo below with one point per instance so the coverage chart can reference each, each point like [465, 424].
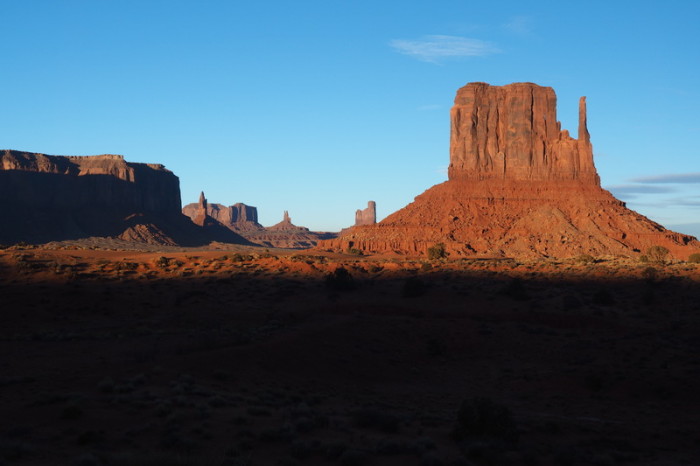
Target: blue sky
[317, 107]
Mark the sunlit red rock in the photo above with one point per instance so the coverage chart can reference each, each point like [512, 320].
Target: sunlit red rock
[519, 186]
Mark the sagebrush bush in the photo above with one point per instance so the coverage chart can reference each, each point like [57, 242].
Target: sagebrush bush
[437, 251]
[657, 253]
[694, 258]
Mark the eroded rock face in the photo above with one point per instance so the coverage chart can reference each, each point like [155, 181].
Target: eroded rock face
[512, 133]
[366, 216]
[518, 186]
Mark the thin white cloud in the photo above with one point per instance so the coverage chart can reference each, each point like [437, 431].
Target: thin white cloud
[520, 25]
[683, 178]
[434, 48]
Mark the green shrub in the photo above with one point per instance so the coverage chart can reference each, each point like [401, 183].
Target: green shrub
[657, 254]
[437, 251]
[644, 259]
[355, 251]
[694, 258]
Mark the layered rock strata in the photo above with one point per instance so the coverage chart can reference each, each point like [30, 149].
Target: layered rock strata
[519, 186]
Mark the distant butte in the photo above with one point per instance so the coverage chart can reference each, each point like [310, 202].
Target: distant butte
[519, 186]
[243, 220]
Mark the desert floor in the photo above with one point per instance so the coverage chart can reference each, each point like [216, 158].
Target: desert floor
[254, 357]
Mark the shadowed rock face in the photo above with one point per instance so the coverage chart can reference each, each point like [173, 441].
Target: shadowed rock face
[518, 186]
[106, 181]
[53, 198]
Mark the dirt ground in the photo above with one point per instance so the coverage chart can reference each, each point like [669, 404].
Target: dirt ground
[277, 357]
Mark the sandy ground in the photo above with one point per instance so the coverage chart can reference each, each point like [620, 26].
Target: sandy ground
[249, 356]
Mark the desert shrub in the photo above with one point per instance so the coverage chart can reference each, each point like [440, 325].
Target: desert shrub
[340, 280]
[162, 262]
[657, 253]
[644, 259]
[437, 251]
[237, 257]
[413, 287]
[355, 251]
[484, 418]
[584, 259]
[694, 258]
[426, 267]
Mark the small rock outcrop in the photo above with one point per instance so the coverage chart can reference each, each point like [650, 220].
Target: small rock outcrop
[366, 216]
[519, 186]
[286, 225]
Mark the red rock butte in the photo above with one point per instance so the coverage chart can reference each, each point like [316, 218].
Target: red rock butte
[519, 186]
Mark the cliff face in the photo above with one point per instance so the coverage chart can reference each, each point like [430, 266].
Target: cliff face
[53, 198]
[518, 186]
[101, 181]
[512, 133]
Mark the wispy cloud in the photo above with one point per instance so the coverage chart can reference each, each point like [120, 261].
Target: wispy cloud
[520, 25]
[435, 48]
[684, 178]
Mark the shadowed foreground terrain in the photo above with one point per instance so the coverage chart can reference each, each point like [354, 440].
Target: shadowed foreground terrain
[240, 358]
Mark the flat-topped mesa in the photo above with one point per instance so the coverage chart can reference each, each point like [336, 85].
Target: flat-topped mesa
[511, 133]
[366, 216]
[108, 181]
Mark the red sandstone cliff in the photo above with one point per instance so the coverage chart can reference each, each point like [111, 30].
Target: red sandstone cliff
[519, 186]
